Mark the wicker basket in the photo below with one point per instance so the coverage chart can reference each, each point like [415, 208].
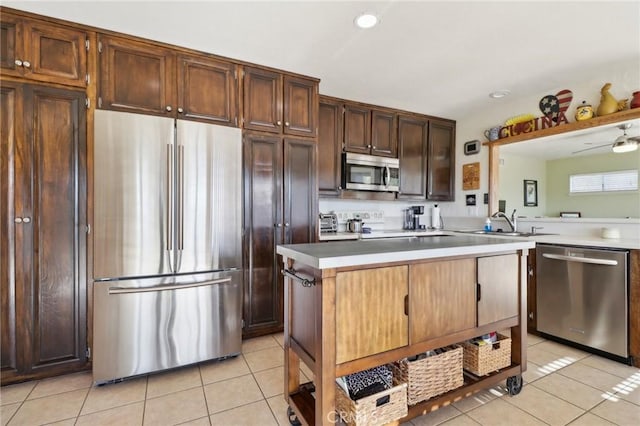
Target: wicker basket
[431, 376]
[482, 360]
[377, 409]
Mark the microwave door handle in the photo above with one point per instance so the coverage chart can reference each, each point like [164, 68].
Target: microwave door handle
[387, 176]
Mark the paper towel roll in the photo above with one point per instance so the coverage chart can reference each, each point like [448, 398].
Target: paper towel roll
[435, 217]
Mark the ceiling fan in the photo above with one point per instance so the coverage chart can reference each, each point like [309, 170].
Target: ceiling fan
[622, 143]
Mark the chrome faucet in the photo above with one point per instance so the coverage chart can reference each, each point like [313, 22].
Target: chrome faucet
[513, 223]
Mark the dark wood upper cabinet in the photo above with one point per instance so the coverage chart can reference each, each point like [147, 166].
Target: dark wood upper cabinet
[329, 147]
[412, 152]
[207, 90]
[383, 133]
[370, 131]
[441, 160]
[43, 51]
[357, 129]
[136, 77]
[262, 100]
[279, 103]
[44, 218]
[300, 106]
[10, 44]
[144, 78]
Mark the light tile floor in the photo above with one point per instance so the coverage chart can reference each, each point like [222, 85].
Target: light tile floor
[563, 386]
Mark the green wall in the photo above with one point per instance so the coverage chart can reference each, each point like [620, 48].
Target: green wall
[612, 204]
[514, 169]
[553, 185]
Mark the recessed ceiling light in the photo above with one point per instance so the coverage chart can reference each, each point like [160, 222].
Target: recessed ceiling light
[499, 94]
[366, 20]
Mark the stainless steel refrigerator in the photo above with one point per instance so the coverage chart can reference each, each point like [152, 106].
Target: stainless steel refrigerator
[167, 258]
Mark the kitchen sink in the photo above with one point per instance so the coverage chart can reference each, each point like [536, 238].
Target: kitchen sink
[507, 234]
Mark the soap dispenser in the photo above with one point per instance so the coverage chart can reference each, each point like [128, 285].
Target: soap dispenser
[487, 225]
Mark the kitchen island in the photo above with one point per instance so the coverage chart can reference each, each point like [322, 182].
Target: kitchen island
[354, 305]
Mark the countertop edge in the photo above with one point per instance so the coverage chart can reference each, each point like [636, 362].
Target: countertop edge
[400, 256]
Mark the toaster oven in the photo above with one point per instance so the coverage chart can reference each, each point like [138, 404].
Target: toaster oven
[328, 222]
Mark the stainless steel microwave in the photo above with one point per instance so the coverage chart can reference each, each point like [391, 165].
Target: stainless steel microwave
[370, 172]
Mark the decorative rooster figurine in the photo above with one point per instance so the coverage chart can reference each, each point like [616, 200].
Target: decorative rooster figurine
[609, 104]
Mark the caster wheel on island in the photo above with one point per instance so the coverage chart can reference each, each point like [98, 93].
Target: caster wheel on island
[514, 385]
[293, 419]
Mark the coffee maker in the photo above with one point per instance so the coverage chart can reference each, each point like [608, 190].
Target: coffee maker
[412, 218]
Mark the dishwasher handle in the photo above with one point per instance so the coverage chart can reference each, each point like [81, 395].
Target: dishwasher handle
[581, 259]
[121, 290]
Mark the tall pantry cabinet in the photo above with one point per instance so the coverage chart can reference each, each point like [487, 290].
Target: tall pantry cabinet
[43, 222]
[280, 186]
[43, 203]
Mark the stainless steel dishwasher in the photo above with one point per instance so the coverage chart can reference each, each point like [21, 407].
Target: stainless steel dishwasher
[582, 296]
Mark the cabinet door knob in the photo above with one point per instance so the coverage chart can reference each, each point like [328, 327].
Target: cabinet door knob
[26, 219]
[278, 225]
[17, 220]
[180, 110]
[168, 108]
[279, 123]
[18, 62]
[368, 146]
[530, 315]
[286, 123]
[286, 224]
[26, 64]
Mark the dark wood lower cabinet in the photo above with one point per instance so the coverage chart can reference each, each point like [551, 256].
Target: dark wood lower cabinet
[532, 315]
[43, 214]
[280, 208]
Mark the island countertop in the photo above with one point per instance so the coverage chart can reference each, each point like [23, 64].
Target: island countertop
[365, 252]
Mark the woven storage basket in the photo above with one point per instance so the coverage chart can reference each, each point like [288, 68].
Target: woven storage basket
[482, 360]
[431, 376]
[377, 409]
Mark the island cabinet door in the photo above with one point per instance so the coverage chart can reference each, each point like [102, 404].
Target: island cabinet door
[497, 288]
[442, 298]
[370, 312]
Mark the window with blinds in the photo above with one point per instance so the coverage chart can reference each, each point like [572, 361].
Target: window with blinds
[624, 180]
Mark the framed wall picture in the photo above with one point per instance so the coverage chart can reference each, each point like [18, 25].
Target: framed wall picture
[530, 193]
[471, 176]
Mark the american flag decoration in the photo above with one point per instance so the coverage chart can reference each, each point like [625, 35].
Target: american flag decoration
[549, 105]
[553, 106]
[564, 98]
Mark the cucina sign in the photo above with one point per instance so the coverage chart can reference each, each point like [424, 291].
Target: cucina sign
[544, 122]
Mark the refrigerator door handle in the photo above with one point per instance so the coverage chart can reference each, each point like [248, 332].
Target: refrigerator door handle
[169, 195]
[121, 290]
[180, 190]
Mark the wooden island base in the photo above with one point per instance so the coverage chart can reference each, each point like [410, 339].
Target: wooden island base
[347, 315]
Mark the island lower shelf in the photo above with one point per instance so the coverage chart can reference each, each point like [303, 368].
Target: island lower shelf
[344, 319]
[303, 401]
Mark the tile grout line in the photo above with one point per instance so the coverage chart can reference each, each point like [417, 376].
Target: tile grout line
[22, 402]
[84, 401]
[206, 403]
[264, 398]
